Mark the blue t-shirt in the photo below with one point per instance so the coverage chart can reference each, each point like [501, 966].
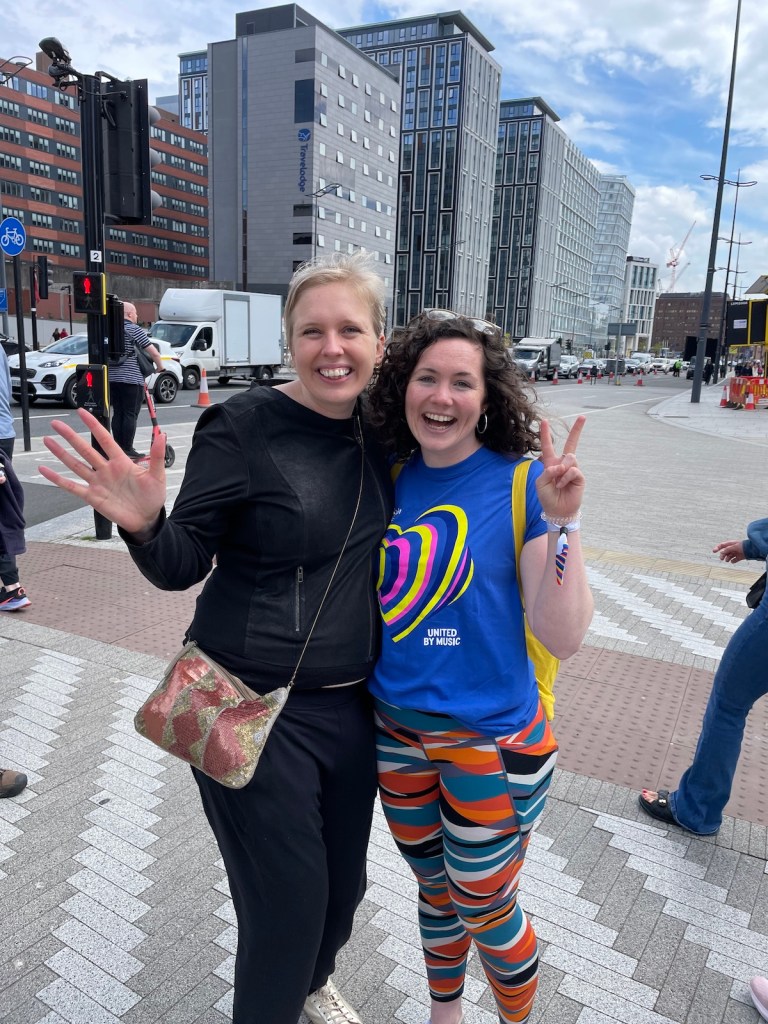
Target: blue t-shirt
[453, 633]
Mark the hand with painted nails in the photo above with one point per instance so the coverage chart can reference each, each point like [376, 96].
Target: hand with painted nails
[125, 493]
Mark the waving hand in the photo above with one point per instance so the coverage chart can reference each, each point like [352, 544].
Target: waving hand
[130, 495]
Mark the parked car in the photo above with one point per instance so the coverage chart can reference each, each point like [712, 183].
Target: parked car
[51, 372]
[661, 365]
[569, 367]
[10, 345]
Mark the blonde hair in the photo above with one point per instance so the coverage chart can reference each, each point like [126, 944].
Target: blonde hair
[355, 270]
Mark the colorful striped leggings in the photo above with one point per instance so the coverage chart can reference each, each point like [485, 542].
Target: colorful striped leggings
[461, 807]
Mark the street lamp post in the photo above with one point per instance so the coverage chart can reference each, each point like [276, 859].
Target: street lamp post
[738, 184]
[333, 186]
[707, 300]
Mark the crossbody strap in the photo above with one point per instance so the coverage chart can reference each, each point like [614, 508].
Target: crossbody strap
[361, 437]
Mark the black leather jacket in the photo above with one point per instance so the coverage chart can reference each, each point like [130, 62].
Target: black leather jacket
[269, 490]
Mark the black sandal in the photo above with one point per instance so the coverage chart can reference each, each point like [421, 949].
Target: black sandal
[658, 808]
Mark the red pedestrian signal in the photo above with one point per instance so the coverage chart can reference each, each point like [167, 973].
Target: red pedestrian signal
[92, 389]
[89, 292]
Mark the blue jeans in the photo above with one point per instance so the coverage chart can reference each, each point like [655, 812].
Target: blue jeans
[741, 679]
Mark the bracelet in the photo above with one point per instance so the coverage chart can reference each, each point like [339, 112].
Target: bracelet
[570, 521]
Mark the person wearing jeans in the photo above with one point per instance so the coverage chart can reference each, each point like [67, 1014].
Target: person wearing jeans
[741, 679]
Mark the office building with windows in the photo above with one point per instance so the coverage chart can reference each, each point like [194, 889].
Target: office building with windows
[303, 137]
[614, 223]
[450, 104]
[41, 184]
[544, 212]
[192, 107]
[640, 290]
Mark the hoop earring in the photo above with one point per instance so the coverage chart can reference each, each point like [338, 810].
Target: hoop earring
[481, 430]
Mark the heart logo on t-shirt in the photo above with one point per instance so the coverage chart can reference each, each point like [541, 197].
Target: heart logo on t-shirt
[424, 568]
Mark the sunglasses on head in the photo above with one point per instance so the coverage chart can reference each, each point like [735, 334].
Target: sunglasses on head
[483, 326]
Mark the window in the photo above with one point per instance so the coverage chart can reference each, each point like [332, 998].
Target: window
[302, 238]
[12, 188]
[38, 142]
[69, 176]
[63, 124]
[37, 116]
[10, 135]
[43, 170]
[71, 226]
[10, 109]
[67, 249]
[303, 100]
[323, 89]
[69, 152]
[342, 71]
[340, 129]
[323, 120]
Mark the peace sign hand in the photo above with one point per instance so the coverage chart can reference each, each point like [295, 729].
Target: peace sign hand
[130, 495]
[561, 486]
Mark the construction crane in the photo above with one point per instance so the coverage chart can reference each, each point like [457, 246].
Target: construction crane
[675, 255]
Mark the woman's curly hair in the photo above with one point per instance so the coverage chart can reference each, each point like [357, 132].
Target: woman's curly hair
[512, 415]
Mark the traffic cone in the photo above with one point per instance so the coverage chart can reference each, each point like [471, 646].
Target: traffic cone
[578, 379]
[599, 373]
[724, 399]
[750, 400]
[554, 379]
[611, 375]
[203, 399]
[639, 381]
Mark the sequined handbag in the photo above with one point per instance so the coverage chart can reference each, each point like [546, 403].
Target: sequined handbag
[208, 717]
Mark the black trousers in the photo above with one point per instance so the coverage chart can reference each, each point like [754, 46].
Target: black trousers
[9, 573]
[294, 844]
[126, 406]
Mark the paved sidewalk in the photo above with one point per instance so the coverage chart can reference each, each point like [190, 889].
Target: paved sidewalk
[114, 903]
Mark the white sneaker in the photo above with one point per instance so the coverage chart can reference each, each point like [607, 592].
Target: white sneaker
[758, 989]
[328, 1006]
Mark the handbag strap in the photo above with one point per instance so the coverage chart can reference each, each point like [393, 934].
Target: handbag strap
[361, 439]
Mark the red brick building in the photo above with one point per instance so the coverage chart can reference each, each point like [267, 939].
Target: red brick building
[677, 315]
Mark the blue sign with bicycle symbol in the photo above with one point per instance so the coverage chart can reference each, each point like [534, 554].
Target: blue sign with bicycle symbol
[13, 237]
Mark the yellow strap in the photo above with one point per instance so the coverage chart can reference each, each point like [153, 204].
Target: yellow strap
[545, 664]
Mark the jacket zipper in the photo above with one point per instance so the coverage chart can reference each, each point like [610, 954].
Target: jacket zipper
[297, 598]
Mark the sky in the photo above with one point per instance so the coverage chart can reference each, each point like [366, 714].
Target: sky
[641, 89]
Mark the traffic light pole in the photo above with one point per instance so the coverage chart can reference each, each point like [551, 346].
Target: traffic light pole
[33, 305]
[93, 199]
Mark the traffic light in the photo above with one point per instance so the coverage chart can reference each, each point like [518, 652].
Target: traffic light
[92, 389]
[115, 328]
[568, 345]
[128, 156]
[44, 277]
[89, 292]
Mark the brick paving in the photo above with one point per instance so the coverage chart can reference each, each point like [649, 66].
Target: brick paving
[115, 906]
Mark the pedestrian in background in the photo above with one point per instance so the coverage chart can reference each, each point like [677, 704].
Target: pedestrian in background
[126, 383]
[593, 371]
[13, 597]
[275, 480]
[465, 751]
[741, 679]
[56, 334]
[708, 371]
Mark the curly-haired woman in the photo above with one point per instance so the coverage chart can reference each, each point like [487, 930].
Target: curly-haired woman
[465, 751]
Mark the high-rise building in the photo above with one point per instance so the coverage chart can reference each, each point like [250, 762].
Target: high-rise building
[450, 104]
[192, 106]
[303, 136]
[544, 213]
[41, 184]
[614, 223]
[640, 290]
